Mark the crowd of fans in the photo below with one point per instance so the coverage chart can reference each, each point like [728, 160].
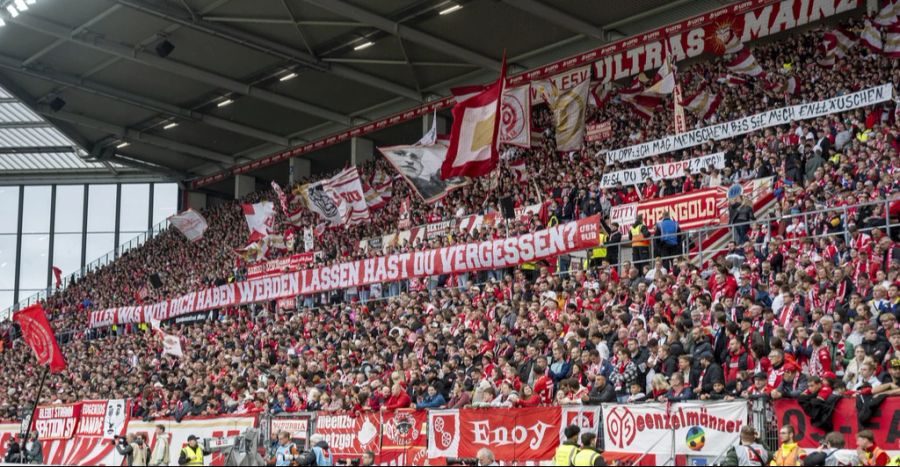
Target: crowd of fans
[798, 306]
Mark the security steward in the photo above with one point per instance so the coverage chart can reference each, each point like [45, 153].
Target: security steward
[588, 454]
[565, 453]
[192, 454]
[640, 241]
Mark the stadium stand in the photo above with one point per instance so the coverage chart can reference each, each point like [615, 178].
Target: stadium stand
[812, 285]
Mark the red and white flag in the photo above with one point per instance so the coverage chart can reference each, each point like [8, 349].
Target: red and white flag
[842, 39]
[730, 80]
[664, 81]
[569, 110]
[474, 135]
[515, 114]
[404, 220]
[786, 85]
[828, 51]
[282, 198]
[260, 219]
[642, 104]
[888, 16]
[745, 63]
[519, 170]
[703, 103]
[171, 345]
[190, 223]
[339, 200]
[601, 93]
[871, 37]
[379, 190]
[891, 47]
[57, 275]
[39, 336]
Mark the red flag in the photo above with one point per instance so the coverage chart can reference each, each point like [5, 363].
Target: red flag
[37, 333]
[474, 135]
[57, 273]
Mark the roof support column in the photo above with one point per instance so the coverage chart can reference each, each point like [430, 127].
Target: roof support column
[243, 185]
[361, 150]
[299, 169]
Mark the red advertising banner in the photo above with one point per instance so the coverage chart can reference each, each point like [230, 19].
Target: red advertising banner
[885, 423]
[598, 131]
[292, 263]
[514, 435]
[490, 254]
[56, 421]
[349, 436]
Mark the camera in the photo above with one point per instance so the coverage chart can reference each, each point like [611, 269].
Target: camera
[462, 461]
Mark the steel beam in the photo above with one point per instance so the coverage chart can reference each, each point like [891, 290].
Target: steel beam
[143, 102]
[97, 42]
[269, 47]
[134, 136]
[406, 32]
[78, 30]
[39, 124]
[553, 15]
[258, 20]
[38, 150]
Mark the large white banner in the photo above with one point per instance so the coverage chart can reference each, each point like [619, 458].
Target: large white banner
[339, 200]
[701, 428]
[752, 123]
[664, 171]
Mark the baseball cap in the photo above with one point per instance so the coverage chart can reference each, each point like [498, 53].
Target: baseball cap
[895, 363]
[192, 438]
[761, 375]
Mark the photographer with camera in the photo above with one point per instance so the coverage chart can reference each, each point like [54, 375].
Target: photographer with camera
[133, 448]
[286, 452]
[13, 450]
[33, 450]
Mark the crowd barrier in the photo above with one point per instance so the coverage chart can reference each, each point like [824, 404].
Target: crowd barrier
[691, 433]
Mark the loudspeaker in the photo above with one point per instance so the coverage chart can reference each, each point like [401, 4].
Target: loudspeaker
[164, 48]
[155, 281]
[506, 207]
[57, 104]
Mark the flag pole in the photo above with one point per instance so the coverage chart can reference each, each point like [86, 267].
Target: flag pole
[37, 399]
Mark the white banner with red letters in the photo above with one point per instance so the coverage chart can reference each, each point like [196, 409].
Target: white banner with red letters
[664, 171]
[701, 428]
[465, 257]
[751, 123]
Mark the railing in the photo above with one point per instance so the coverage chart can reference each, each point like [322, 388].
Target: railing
[88, 268]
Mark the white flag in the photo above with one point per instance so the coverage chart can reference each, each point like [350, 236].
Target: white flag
[309, 239]
[569, 109]
[515, 116]
[190, 223]
[260, 219]
[339, 200]
[172, 345]
[664, 81]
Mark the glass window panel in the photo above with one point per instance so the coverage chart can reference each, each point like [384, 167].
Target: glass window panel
[67, 252]
[9, 209]
[102, 209]
[33, 262]
[7, 262]
[36, 210]
[135, 209]
[69, 208]
[6, 299]
[98, 245]
[165, 201]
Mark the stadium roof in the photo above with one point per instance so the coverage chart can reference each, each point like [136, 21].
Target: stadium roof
[186, 88]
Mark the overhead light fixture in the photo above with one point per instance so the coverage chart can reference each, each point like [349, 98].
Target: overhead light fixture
[57, 104]
[2, 23]
[123, 145]
[20, 4]
[13, 12]
[364, 45]
[227, 101]
[447, 11]
[31, 2]
[288, 76]
[170, 126]
[164, 48]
